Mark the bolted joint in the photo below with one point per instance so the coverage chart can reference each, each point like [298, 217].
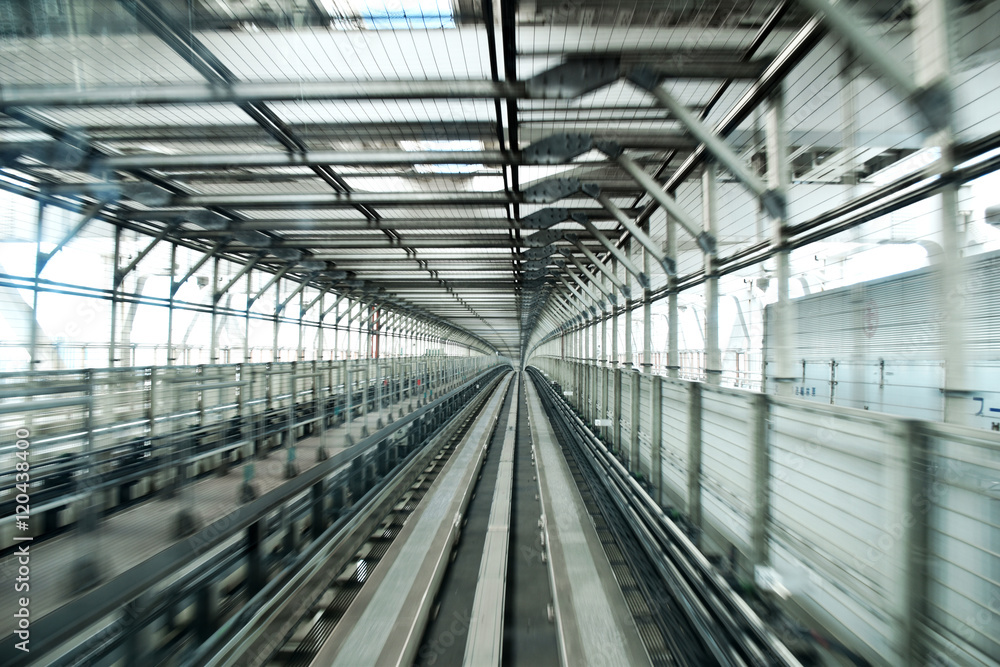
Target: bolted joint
[287, 254]
[707, 243]
[669, 266]
[934, 102]
[207, 220]
[644, 77]
[574, 77]
[313, 265]
[542, 238]
[591, 189]
[544, 218]
[774, 203]
[551, 190]
[540, 253]
[252, 238]
[557, 149]
[147, 194]
[612, 149]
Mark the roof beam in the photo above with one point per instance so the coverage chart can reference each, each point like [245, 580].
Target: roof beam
[279, 200]
[307, 222]
[373, 158]
[240, 92]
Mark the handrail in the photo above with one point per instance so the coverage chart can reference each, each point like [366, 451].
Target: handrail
[74, 617]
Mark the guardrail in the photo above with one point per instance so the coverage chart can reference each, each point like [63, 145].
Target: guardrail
[122, 426]
[364, 461]
[881, 530]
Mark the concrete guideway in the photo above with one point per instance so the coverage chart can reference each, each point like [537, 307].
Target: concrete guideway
[594, 624]
[396, 604]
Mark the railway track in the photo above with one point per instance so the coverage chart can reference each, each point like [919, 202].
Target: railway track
[686, 612]
[313, 631]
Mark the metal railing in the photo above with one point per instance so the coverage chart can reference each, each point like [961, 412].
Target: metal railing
[885, 531]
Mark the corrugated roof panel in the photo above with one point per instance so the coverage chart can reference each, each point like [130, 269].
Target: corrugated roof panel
[86, 61]
[317, 54]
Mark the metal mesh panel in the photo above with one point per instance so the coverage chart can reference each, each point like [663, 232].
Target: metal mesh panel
[726, 462]
[964, 585]
[833, 474]
[674, 447]
[645, 436]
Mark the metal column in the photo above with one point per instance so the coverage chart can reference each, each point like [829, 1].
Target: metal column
[777, 174]
[713, 356]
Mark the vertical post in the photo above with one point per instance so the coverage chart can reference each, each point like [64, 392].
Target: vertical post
[777, 178]
[603, 414]
[300, 353]
[647, 318]
[152, 397]
[336, 330]
[277, 301]
[112, 342]
[86, 572]
[694, 457]
[246, 320]
[213, 346]
[170, 304]
[673, 318]
[378, 393]
[34, 362]
[369, 317]
[319, 328]
[628, 311]
[361, 336]
[348, 398]
[633, 445]
[595, 365]
[914, 464]
[583, 370]
[614, 324]
[933, 52]
[761, 482]
[713, 356]
[849, 93]
[616, 419]
[656, 437]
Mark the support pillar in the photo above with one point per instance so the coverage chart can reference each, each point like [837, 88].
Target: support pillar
[713, 355]
[933, 54]
[35, 358]
[112, 338]
[783, 374]
[647, 318]
[628, 313]
[170, 305]
[616, 419]
[213, 345]
[634, 418]
[655, 437]
[673, 319]
[277, 313]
